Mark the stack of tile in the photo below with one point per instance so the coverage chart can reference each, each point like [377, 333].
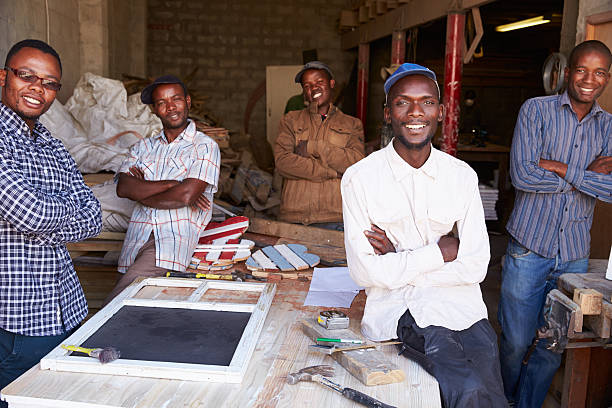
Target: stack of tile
[489, 196]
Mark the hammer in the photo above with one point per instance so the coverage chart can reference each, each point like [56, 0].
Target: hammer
[319, 373]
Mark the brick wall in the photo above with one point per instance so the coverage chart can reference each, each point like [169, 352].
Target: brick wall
[232, 42]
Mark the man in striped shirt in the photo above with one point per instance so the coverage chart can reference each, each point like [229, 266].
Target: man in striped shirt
[172, 177]
[561, 159]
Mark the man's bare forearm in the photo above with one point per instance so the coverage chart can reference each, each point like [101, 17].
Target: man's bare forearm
[556, 167]
[183, 194]
[138, 189]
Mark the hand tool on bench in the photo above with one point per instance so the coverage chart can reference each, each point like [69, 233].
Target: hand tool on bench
[234, 276]
[104, 355]
[319, 373]
[335, 349]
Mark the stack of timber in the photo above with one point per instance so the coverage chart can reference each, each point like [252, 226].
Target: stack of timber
[360, 12]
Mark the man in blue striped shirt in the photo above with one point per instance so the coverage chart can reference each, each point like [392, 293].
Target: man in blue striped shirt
[44, 203]
[561, 159]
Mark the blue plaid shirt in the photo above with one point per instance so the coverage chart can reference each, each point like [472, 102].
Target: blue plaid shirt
[44, 203]
[553, 215]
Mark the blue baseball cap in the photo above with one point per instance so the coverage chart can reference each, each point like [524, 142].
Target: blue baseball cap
[406, 69]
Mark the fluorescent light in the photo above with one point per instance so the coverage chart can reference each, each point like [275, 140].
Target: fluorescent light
[522, 24]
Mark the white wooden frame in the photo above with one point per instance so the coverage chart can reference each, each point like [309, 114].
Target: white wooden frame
[60, 360]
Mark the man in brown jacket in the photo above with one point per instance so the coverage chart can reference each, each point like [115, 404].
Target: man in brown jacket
[313, 149]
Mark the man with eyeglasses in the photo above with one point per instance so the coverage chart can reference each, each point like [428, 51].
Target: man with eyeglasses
[44, 204]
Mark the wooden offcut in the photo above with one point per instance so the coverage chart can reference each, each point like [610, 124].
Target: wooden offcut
[589, 300]
[370, 366]
[302, 233]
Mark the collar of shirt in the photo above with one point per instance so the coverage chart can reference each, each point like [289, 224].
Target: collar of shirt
[315, 112]
[565, 100]
[18, 125]
[187, 135]
[401, 169]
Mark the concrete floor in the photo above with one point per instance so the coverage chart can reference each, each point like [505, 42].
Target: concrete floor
[492, 283]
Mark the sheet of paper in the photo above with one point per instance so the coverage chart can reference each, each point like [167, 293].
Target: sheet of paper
[331, 287]
[330, 299]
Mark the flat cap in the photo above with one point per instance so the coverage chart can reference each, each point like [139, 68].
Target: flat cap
[313, 65]
[146, 96]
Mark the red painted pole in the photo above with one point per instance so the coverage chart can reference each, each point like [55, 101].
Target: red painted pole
[453, 66]
[398, 47]
[363, 69]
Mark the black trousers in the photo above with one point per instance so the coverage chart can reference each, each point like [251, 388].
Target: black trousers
[465, 363]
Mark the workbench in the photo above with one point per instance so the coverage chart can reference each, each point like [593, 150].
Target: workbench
[282, 348]
[588, 371]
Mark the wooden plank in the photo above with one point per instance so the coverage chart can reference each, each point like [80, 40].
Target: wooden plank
[262, 260]
[575, 379]
[278, 259]
[408, 15]
[297, 262]
[570, 281]
[300, 233]
[370, 366]
[95, 245]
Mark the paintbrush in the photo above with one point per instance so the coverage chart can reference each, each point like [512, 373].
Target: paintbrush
[104, 355]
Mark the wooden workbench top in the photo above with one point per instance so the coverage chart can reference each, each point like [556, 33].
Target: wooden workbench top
[282, 348]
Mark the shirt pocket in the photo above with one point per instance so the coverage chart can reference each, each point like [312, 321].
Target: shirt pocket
[301, 133]
[177, 169]
[441, 221]
[338, 136]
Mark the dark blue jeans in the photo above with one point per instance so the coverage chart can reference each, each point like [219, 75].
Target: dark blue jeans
[19, 353]
[526, 280]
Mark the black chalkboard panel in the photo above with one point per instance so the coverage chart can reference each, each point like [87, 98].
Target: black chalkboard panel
[172, 335]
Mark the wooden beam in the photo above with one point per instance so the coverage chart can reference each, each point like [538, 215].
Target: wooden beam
[408, 15]
[300, 233]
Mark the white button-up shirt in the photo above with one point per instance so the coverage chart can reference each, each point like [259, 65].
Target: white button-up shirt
[415, 207]
[191, 155]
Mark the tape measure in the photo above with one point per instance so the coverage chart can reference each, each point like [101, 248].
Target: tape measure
[333, 319]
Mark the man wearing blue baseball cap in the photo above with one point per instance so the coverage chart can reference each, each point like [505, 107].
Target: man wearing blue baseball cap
[313, 149]
[402, 207]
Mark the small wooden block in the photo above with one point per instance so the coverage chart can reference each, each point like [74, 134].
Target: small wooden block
[370, 366]
[349, 18]
[363, 14]
[589, 301]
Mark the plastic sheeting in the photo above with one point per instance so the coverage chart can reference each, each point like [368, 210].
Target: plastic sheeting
[116, 211]
[97, 125]
[100, 122]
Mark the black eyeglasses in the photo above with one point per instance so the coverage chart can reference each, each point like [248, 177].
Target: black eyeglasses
[29, 77]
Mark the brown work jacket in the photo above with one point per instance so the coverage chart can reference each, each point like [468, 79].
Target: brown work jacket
[311, 186]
